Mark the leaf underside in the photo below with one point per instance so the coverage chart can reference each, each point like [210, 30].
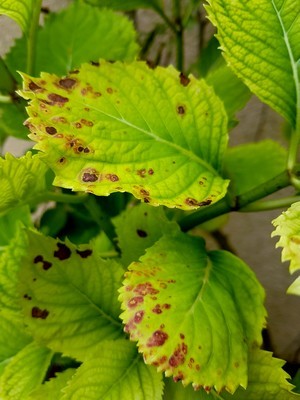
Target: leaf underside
[261, 43]
[126, 127]
[193, 314]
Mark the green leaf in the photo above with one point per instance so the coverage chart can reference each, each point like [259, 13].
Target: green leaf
[25, 372]
[85, 34]
[241, 161]
[11, 121]
[130, 128]
[125, 5]
[19, 10]
[21, 180]
[69, 295]
[260, 40]
[11, 221]
[176, 391]
[52, 389]
[288, 228]
[230, 89]
[115, 371]
[193, 313]
[140, 227]
[296, 382]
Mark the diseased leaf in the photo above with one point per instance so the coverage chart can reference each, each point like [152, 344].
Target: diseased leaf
[69, 295]
[25, 372]
[115, 371]
[288, 228]
[140, 227]
[125, 127]
[125, 5]
[21, 180]
[241, 162]
[19, 10]
[78, 34]
[52, 389]
[193, 313]
[176, 391]
[260, 40]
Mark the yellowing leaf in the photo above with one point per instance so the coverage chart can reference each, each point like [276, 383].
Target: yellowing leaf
[193, 314]
[260, 40]
[125, 127]
[288, 228]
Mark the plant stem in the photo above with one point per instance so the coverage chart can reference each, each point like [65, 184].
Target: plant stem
[31, 38]
[164, 16]
[239, 202]
[270, 204]
[179, 35]
[100, 217]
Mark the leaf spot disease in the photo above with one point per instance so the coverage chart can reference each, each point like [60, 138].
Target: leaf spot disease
[178, 357]
[90, 176]
[112, 177]
[109, 90]
[181, 110]
[63, 252]
[51, 130]
[84, 253]
[138, 316]
[57, 99]
[141, 172]
[26, 296]
[144, 289]
[157, 339]
[141, 233]
[46, 264]
[184, 80]
[34, 87]
[135, 301]
[67, 83]
[37, 312]
[150, 171]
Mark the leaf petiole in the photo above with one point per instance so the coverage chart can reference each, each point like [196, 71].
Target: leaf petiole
[32, 36]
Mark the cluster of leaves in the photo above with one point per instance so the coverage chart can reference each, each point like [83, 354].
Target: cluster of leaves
[123, 129]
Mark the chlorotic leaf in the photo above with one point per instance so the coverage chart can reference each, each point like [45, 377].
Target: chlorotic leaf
[260, 40]
[140, 227]
[126, 127]
[85, 34]
[69, 295]
[241, 161]
[267, 380]
[19, 10]
[52, 389]
[124, 5]
[25, 372]
[21, 180]
[115, 371]
[193, 313]
[288, 228]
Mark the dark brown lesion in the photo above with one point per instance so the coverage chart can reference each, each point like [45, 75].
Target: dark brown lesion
[37, 312]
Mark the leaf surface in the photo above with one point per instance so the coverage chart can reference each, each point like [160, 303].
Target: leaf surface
[52, 389]
[125, 127]
[21, 180]
[25, 372]
[260, 40]
[78, 34]
[288, 228]
[69, 295]
[267, 158]
[115, 371]
[140, 227]
[19, 10]
[193, 313]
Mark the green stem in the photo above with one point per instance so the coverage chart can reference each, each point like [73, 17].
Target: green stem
[32, 36]
[100, 217]
[164, 16]
[270, 204]
[239, 202]
[60, 198]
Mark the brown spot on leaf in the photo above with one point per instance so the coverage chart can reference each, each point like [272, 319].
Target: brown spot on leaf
[181, 110]
[144, 192]
[141, 233]
[144, 289]
[90, 176]
[197, 367]
[150, 171]
[62, 160]
[112, 177]
[184, 80]
[178, 357]
[67, 83]
[34, 87]
[51, 130]
[157, 339]
[157, 309]
[86, 122]
[95, 63]
[138, 316]
[205, 203]
[27, 297]
[84, 253]
[182, 336]
[135, 301]
[178, 377]
[109, 90]
[141, 172]
[38, 259]
[75, 71]
[166, 306]
[78, 125]
[47, 265]
[37, 312]
[57, 99]
[86, 150]
[207, 389]
[63, 252]
[191, 202]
